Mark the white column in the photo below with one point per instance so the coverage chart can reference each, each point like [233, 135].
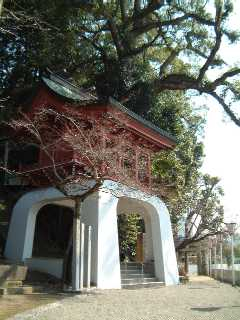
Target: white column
[221, 260]
[89, 246]
[233, 260]
[82, 255]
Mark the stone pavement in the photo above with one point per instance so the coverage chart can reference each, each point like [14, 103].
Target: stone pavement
[202, 298]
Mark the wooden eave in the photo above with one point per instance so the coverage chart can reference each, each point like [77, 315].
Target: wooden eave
[135, 123]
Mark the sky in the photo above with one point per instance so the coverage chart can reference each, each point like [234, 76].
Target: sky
[222, 139]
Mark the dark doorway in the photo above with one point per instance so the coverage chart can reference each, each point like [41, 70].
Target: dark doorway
[52, 231]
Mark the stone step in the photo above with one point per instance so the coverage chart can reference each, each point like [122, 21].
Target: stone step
[133, 270]
[21, 290]
[131, 264]
[16, 290]
[155, 284]
[138, 280]
[136, 275]
[11, 283]
[10, 262]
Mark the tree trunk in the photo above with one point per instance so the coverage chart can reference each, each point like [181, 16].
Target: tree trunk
[76, 246]
[67, 258]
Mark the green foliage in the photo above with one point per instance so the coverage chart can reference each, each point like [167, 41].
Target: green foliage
[178, 169]
[122, 48]
[192, 198]
[128, 228]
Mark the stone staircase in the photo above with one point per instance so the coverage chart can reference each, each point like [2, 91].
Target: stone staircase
[136, 275]
[12, 278]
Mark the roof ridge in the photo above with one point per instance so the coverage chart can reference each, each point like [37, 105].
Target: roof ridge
[141, 119]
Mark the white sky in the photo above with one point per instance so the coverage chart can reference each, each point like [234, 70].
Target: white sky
[222, 139]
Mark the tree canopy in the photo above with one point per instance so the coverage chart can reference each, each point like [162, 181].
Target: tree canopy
[147, 54]
[121, 47]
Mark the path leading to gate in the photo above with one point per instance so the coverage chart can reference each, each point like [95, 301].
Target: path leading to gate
[202, 298]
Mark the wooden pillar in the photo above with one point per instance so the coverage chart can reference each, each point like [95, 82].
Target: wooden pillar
[150, 170]
[1, 7]
[136, 164]
[6, 157]
[139, 248]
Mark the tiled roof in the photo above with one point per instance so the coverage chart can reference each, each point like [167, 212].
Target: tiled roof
[65, 88]
[68, 90]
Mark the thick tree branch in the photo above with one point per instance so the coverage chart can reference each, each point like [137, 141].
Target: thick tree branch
[123, 7]
[152, 6]
[168, 61]
[219, 81]
[115, 36]
[216, 46]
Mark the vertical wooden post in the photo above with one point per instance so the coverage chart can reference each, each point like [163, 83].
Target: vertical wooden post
[139, 248]
[215, 261]
[199, 261]
[89, 251]
[210, 262]
[186, 262]
[6, 156]
[1, 7]
[76, 246]
[136, 163]
[82, 255]
[149, 170]
[206, 262]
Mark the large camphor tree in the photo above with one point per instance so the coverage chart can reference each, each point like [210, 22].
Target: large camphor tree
[122, 47]
[147, 54]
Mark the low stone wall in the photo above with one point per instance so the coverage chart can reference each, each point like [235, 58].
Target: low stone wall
[227, 275]
[51, 266]
[12, 272]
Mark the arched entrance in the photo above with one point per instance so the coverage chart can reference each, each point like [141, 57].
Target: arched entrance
[28, 222]
[146, 254]
[100, 210]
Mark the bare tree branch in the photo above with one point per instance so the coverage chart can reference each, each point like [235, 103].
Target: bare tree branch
[226, 108]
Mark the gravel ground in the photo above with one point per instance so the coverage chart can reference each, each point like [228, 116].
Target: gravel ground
[200, 299]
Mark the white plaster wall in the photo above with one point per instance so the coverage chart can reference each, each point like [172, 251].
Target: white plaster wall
[108, 246]
[47, 265]
[100, 211]
[163, 245]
